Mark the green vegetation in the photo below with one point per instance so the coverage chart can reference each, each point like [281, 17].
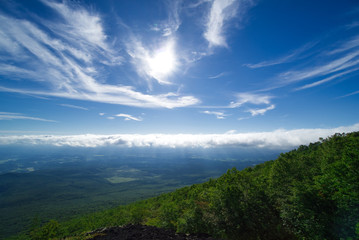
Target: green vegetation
[79, 187]
[308, 193]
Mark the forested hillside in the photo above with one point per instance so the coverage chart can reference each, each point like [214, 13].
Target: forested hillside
[308, 193]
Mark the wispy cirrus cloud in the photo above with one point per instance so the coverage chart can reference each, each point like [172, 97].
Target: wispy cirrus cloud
[347, 45]
[277, 139]
[79, 24]
[350, 94]
[222, 74]
[335, 76]
[73, 106]
[252, 98]
[294, 55]
[261, 111]
[128, 117]
[20, 116]
[219, 115]
[220, 13]
[341, 60]
[119, 95]
[64, 58]
[247, 100]
[170, 26]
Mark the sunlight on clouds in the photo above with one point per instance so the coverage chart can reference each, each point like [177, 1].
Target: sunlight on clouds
[68, 62]
[278, 139]
[158, 63]
[163, 62]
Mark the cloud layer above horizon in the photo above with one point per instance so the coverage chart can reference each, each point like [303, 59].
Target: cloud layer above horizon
[278, 139]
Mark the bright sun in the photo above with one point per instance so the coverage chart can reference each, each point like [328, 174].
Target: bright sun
[163, 62]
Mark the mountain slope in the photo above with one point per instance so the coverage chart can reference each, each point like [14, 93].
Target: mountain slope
[308, 193]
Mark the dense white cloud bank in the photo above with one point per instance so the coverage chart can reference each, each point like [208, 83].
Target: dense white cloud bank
[281, 139]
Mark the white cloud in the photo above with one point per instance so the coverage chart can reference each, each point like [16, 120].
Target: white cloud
[171, 25]
[80, 25]
[128, 117]
[219, 115]
[347, 45]
[124, 95]
[20, 116]
[252, 98]
[350, 94]
[261, 111]
[231, 131]
[327, 62]
[317, 83]
[64, 63]
[73, 106]
[281, 139]
[101, 114]
[221, 12]
[222, 74]
[338, 64]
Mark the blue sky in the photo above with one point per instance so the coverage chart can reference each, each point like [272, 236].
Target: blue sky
[227, 67]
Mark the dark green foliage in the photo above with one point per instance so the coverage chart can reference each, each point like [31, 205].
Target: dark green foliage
[309, 193]
[47, 231]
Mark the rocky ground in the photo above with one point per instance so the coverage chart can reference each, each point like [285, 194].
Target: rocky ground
[141, 232]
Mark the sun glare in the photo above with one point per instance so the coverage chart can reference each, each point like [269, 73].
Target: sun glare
[163, 62]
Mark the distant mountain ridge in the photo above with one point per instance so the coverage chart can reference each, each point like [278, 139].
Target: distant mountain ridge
[311, 192]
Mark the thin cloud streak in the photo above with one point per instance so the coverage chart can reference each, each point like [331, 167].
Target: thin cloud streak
[73, 106]
[285, 59]
[128, 117]
[124, 95]
[348, 45]
[336, 65]
[350, 94]
[172, 24]
[222, 74]
[278, 139]
[262, 111]
[20, 116]
[338, 62]
[333, 64]
[219, 115]
[252, 98]
[317, 83]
